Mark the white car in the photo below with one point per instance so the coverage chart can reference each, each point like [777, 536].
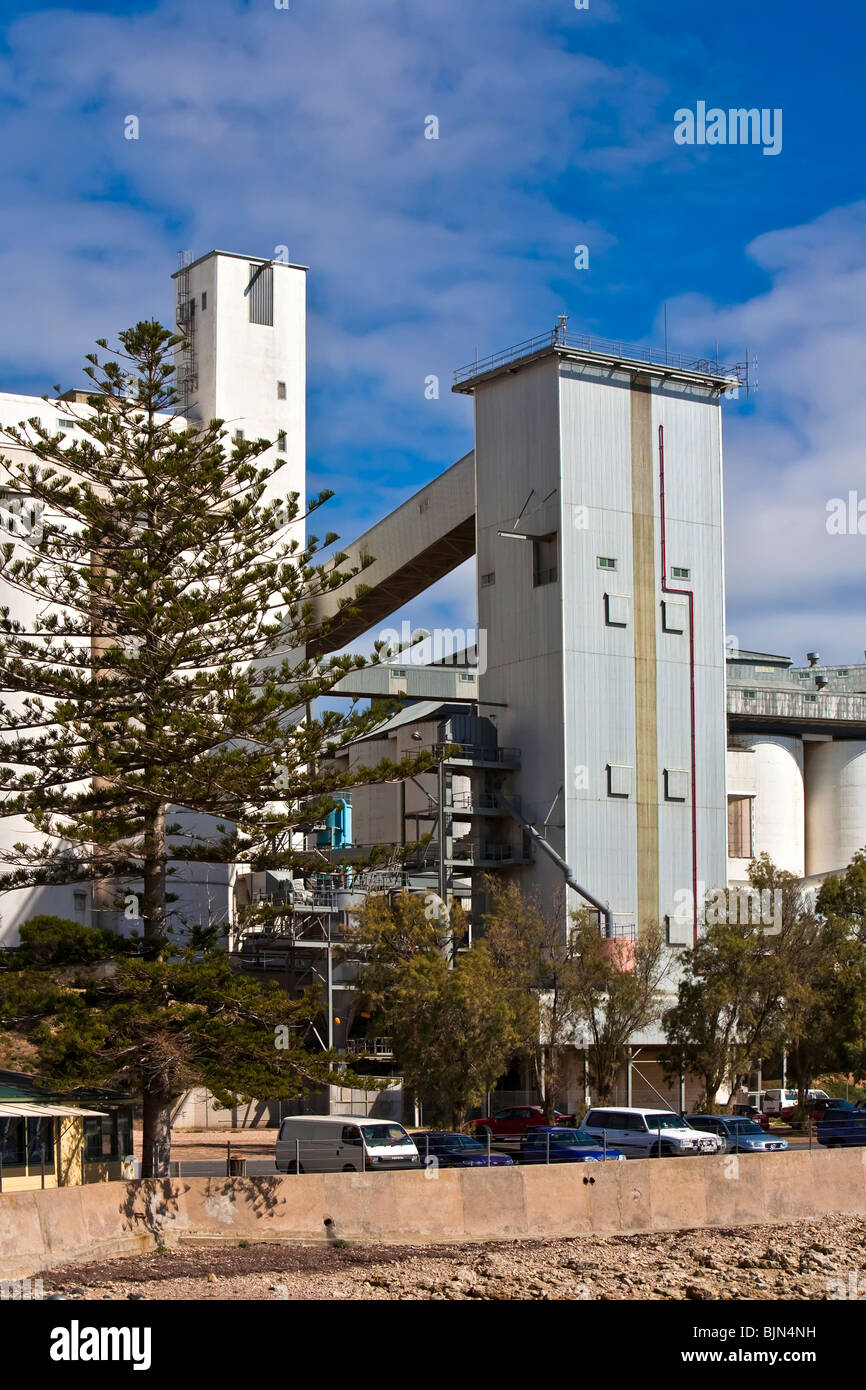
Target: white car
[778, 1102]
[641, 1133]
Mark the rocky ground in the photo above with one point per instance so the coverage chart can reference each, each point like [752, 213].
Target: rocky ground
[806, 1260]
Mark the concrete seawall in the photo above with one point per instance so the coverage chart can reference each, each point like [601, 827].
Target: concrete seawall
[41, 1229]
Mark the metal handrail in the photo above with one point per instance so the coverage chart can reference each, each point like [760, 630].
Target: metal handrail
[795, 704]
[482, 850]
[370, 1047]
[472, 752]
[603, 347]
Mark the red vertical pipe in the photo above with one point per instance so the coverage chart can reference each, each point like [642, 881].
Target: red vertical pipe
[690, 595]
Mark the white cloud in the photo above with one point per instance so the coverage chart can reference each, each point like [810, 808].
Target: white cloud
[790, 583]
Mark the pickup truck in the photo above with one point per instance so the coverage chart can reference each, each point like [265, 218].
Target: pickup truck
[842, 1125]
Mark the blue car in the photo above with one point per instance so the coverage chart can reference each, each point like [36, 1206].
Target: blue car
[556, 1145]
[842, 1124]
[453, 1150]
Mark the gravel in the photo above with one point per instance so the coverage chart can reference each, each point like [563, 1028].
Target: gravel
[805, 1260]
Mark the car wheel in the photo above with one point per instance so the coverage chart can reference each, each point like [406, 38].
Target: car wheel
[295, 1168]
[348, 1168]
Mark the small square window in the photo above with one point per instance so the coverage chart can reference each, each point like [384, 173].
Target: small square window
[679, 572]
[616, 609]
[281, 390]
[619, 780]
[239, 436]
[677, 931]
[281, 442]
[676, 784]
[606, 562]
[488, 579]
[203, 300]
[674, 615]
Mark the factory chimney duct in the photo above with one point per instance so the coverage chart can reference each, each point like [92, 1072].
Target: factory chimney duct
[572, 882]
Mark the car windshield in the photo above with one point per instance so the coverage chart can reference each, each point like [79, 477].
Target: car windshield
[459, 1141]
[744, 1127]
[379, 1136]
[665, 1120]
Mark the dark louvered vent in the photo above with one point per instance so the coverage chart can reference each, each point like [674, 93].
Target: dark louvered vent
[260, 292]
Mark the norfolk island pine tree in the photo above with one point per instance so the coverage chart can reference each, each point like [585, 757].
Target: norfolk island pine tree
[164, 667]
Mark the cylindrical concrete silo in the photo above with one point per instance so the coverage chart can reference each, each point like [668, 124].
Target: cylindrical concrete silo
[769, 767]
[835, 804]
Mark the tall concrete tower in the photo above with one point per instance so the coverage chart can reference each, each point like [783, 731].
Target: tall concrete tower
[245, 323]
[601, 589]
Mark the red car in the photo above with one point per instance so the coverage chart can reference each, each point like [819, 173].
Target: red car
[516, 1120]
[751, 1112]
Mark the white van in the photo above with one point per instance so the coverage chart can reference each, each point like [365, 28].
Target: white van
[342, 1144]
[775, 1101]
[778, 1102]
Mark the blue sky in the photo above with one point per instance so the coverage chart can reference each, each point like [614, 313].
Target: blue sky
[305, 127]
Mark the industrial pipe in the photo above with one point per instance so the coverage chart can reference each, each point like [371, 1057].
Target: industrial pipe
[560, 863]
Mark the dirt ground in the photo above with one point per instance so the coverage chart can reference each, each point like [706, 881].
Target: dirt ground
[806, 1260]
[211, 1143]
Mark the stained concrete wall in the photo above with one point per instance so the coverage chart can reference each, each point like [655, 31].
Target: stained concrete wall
[39, 1230]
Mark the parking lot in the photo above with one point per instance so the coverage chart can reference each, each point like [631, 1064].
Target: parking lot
[204, 1153]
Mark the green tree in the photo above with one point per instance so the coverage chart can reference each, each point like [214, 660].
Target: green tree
[728, 1009]
[768, 975]
[536, 953]
[843, 896]
[163, 670]
[617, 992]
[451, 1019]
[100, 1017]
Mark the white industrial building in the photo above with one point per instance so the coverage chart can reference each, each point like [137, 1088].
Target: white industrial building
[599, 744]
[796, 763]
[245, 324]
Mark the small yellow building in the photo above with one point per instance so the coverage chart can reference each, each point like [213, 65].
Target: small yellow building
[49, 1141]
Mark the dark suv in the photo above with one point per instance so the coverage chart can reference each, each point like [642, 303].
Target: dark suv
[842, 1125]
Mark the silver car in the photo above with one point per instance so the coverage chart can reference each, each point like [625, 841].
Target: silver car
[738, 1134]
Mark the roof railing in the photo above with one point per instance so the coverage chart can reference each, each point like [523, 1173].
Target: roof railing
[604, 347]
